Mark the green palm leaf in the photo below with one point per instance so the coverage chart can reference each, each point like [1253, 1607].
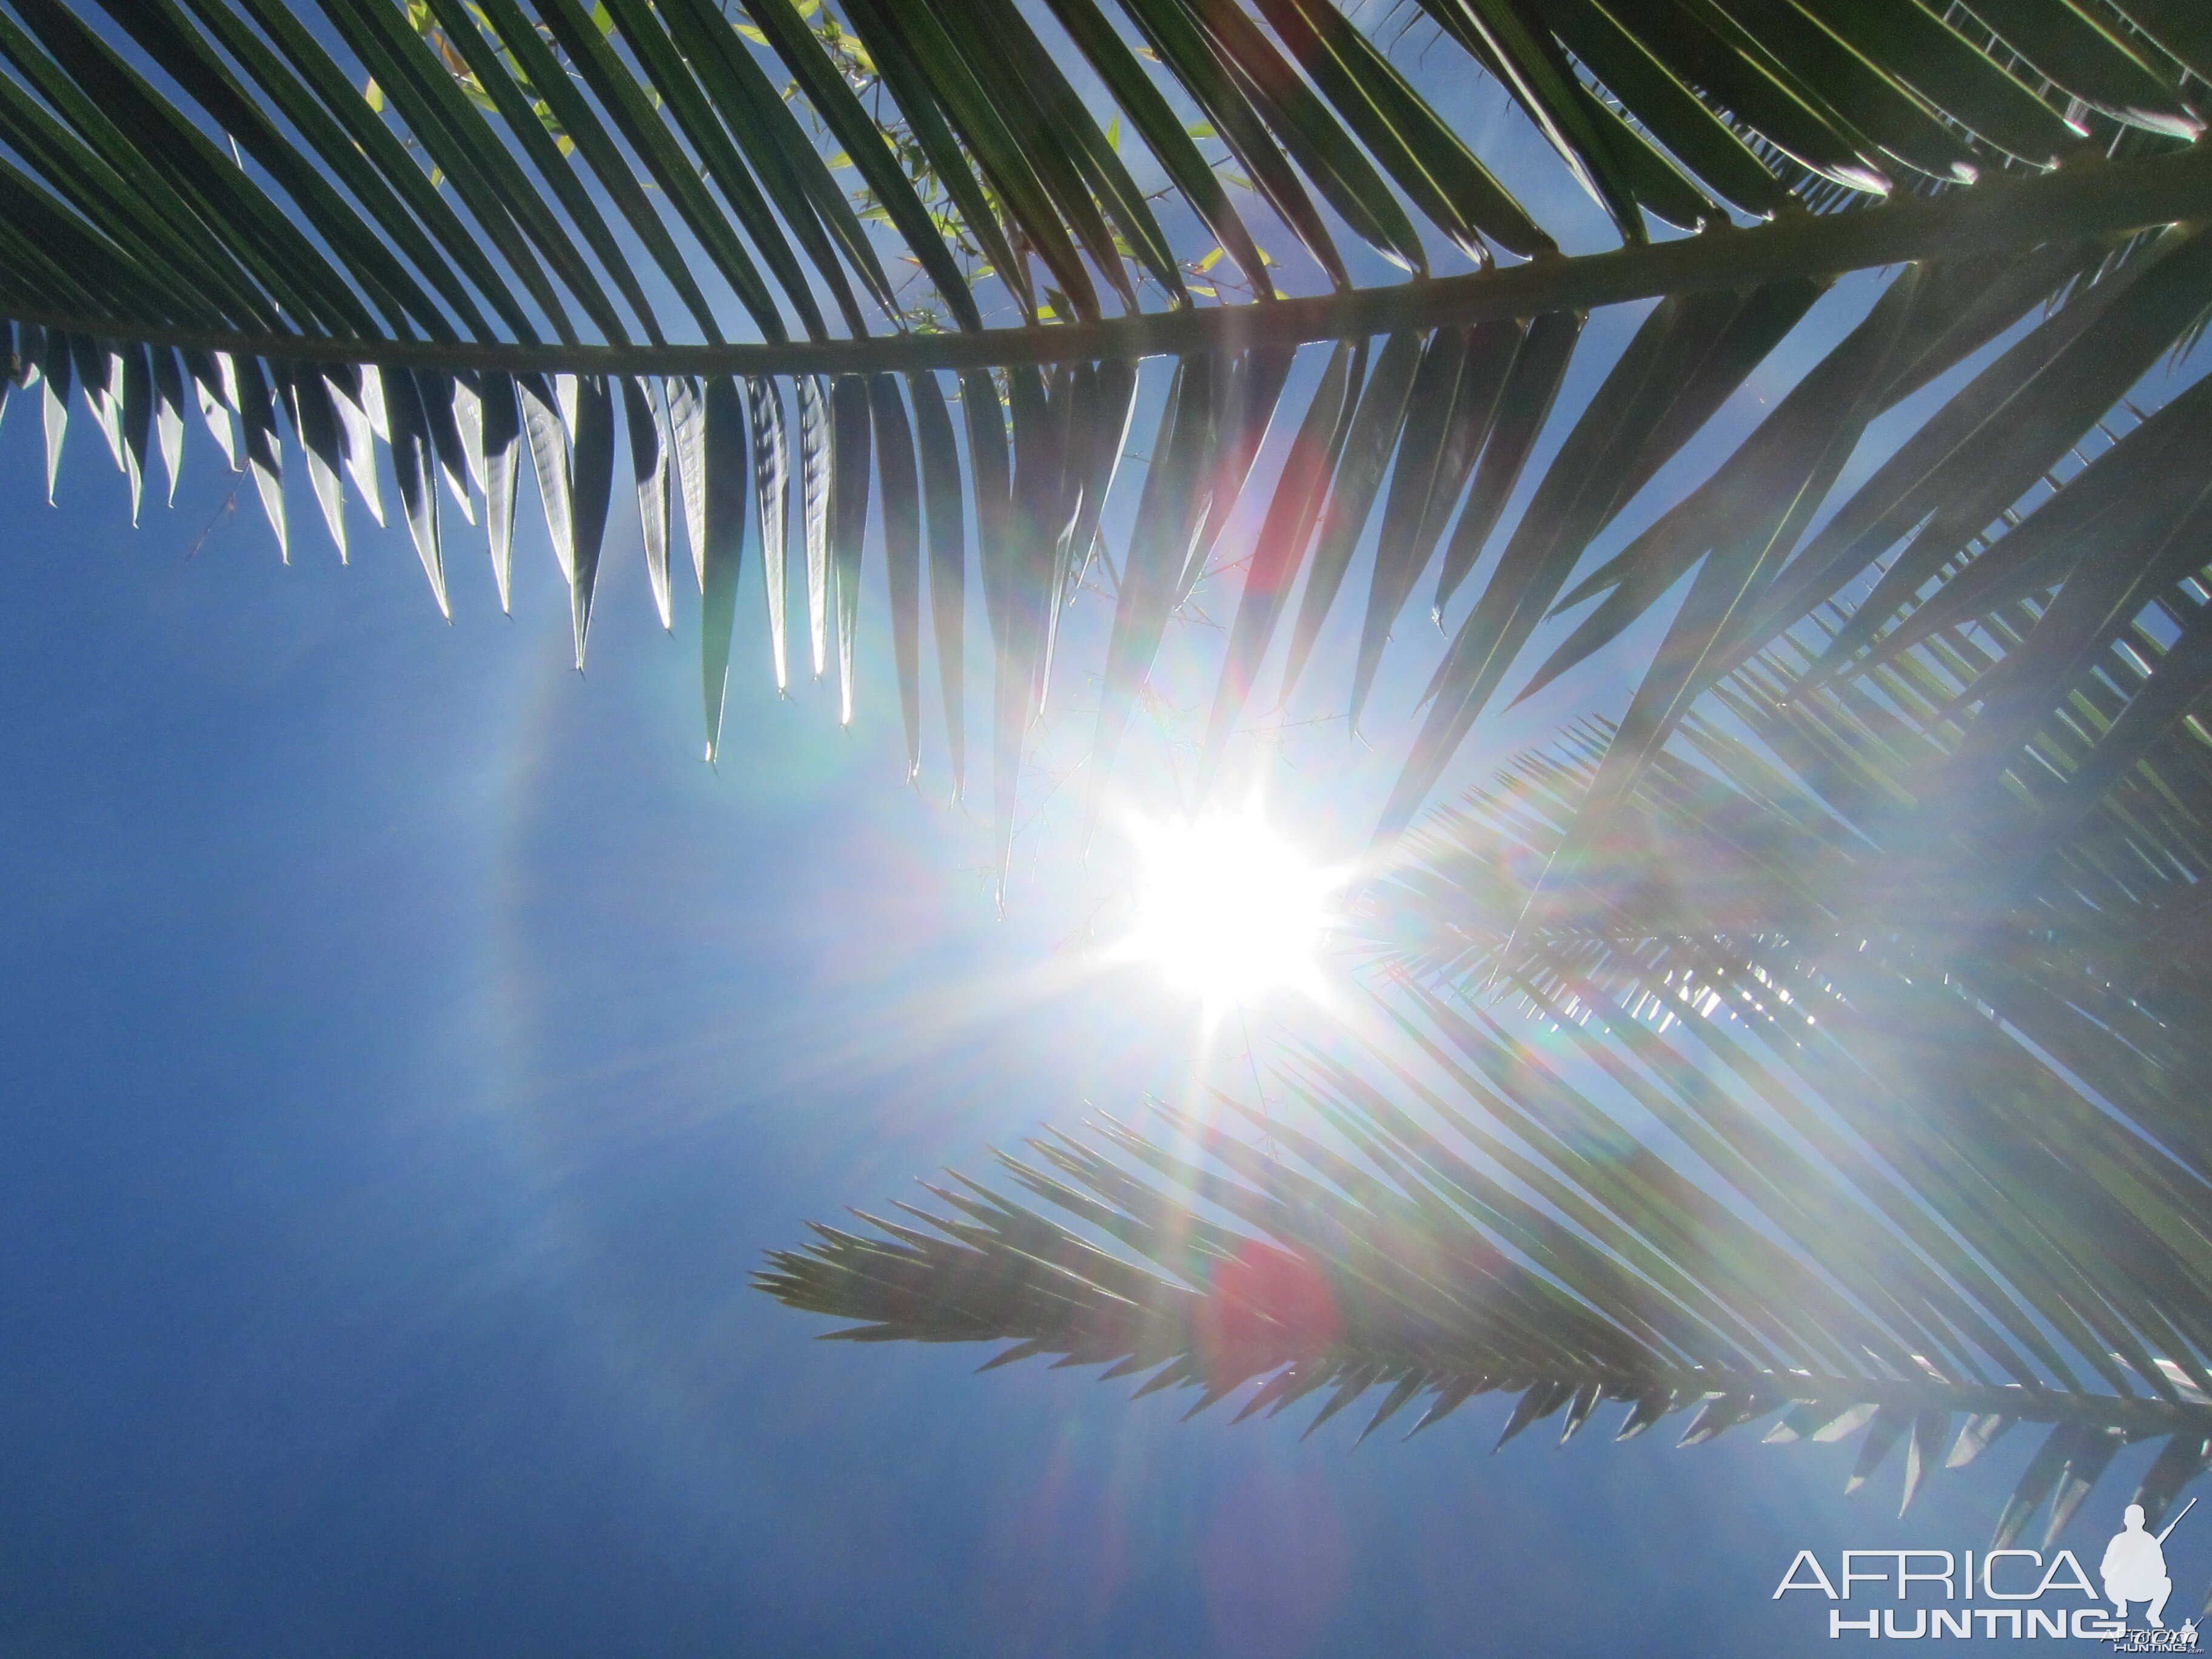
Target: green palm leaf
[339, 247]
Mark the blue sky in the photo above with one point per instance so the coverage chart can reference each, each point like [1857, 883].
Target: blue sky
[410, 1050]
[411, 1047]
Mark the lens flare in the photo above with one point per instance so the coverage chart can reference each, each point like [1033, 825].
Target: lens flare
[1228, 910]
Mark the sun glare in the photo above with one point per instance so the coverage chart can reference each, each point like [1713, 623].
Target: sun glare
[1227, 908]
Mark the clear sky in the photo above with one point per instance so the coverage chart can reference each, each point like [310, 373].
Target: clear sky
[409, 1049]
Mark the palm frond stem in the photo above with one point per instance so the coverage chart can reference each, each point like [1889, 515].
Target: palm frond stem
[2089, 201]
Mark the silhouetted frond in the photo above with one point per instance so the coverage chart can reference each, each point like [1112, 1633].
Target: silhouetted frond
[468, 227]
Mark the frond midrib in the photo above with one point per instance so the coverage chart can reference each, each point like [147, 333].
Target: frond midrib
[2087, 202]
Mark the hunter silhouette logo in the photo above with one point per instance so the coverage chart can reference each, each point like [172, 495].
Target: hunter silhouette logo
[2030, 1595]
[2135, 1566]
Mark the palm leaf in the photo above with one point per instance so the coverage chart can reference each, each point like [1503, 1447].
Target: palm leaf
[1876, 1205]
[443, 190]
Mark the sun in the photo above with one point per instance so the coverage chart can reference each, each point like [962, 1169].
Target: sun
[1227, 908]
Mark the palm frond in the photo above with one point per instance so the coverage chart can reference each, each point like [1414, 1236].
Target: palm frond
[1873, 1190]
[1831, 1078]
[1503, 1234]
[434, 220]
